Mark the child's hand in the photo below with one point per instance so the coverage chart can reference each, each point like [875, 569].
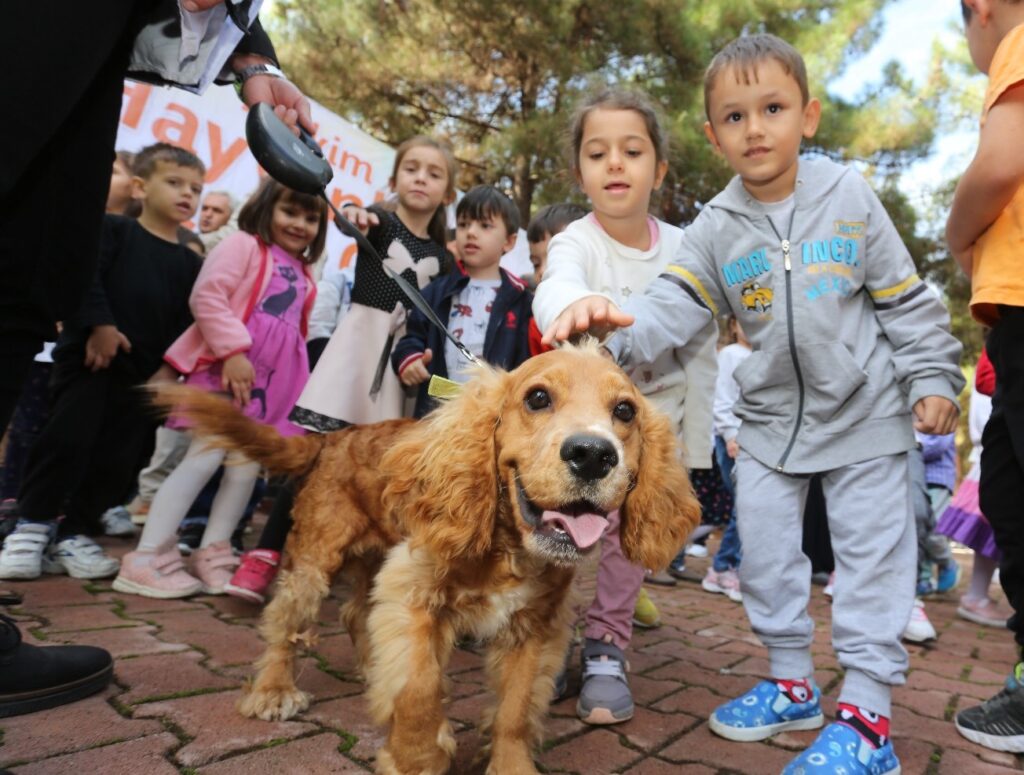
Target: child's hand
[936, 415]
[238, 376]
[361, 218]
[732, 448]
[102, 345]
[594, 314]
[416, 372]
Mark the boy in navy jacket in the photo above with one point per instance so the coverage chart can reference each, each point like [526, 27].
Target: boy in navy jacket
[486, 308]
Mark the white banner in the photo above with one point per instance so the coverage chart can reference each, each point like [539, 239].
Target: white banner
[212, 126]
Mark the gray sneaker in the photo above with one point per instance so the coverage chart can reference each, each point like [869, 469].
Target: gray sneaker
[604, 694]
[998, 723]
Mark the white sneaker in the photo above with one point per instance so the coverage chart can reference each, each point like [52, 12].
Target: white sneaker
[22, 555]
[697, 550]
[80, 558]
[117, 521]
[919, 629]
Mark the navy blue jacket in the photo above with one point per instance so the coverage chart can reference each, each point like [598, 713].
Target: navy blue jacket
[506, 343]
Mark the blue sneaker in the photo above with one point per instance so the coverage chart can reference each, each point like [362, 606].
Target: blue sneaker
[925, 588]
[840, 749]
[949, 576]
[764, 711]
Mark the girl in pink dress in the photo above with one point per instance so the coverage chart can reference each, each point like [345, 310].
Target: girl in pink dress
[251, 304]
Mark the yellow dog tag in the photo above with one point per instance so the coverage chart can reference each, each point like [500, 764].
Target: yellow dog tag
[440, 387]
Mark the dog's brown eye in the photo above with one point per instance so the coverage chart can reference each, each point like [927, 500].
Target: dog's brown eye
[624, 411]
[538, 399]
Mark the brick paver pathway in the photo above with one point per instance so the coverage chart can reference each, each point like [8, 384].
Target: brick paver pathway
[180, 665]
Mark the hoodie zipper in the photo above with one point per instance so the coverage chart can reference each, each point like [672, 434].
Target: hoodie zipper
[788, 264]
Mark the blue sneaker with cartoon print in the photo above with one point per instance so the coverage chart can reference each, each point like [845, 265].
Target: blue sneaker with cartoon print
[840, 750]
[767, 709]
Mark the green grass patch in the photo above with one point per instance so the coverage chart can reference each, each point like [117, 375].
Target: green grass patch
[348, 741]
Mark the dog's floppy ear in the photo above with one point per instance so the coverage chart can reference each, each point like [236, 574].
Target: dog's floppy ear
[661, 509]
[446, 476]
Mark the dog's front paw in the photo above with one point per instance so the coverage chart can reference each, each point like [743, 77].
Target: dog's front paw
[511, 763]
[273, 704]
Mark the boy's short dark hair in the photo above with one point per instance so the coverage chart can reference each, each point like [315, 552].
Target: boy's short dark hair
[483, 202]
[745, 53]
[146, 160]
[552, 219]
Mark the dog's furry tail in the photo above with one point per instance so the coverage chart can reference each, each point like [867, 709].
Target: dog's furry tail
[222, 425]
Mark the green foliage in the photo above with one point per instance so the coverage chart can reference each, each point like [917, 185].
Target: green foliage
[499, 81]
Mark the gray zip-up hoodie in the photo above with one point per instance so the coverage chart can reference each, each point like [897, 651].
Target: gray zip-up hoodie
[846, 337]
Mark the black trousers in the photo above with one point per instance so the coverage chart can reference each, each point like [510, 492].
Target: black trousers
[56, 150]
[90, 452]
[1001, 489]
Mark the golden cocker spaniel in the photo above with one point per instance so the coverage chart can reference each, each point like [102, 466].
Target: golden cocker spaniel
[482, 511]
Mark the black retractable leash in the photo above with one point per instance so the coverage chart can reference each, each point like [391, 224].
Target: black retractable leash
[299, 163]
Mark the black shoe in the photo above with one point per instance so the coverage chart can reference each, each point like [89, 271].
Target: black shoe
[190, 535]
[39, 677]
[998, 723]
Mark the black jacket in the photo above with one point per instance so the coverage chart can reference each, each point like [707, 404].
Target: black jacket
[506, 343]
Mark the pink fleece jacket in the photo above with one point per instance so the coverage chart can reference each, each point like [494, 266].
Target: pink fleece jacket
[233, 279]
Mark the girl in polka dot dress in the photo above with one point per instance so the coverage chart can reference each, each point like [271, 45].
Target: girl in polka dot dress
[352, 382]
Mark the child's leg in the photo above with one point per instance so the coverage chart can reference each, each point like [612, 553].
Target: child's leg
[981, 577]
[177, 493]
[54, 467]
[279, 522]
[28, 422]
[922, 510]
[236, 485]
[870, 516]
[776, 574]
[729, 551]
[618, 584]
[171, 446]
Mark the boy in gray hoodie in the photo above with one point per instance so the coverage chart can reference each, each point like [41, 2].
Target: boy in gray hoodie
[846, 338]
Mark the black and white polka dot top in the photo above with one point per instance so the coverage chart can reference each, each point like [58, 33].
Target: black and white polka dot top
[417, 260]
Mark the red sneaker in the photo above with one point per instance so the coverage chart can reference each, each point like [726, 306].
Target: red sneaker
[254, 575]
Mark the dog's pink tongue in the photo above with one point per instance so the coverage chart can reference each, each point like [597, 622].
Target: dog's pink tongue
[584, 529]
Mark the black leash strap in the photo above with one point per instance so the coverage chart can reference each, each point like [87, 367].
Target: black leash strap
[411, 291]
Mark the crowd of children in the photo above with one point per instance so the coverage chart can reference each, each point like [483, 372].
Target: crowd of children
[836, 355]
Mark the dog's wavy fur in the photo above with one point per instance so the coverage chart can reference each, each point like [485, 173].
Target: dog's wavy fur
[443, 499]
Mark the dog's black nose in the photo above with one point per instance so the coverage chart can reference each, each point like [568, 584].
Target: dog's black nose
[589, 457]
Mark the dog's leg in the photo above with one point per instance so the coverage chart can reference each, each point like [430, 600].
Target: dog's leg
[360, 573]
[409, 650]
[289, 619]
[522, 675]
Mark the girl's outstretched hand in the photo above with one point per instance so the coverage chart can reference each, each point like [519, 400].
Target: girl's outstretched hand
[360, 217]
[237, 377]
[593, 314]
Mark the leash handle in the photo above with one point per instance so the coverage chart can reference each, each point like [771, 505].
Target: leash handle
[411, 292]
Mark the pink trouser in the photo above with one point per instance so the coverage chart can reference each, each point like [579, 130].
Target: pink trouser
[618, 584]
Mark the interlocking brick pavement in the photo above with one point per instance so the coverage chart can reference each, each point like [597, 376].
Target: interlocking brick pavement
[181, 664]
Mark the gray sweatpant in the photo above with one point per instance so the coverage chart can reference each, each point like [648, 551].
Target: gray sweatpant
[870, 517]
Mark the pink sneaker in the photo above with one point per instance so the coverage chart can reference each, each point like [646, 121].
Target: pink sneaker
[159, 574]
[986, 612]
[255, 575]
[725, 583]
[214, 566]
